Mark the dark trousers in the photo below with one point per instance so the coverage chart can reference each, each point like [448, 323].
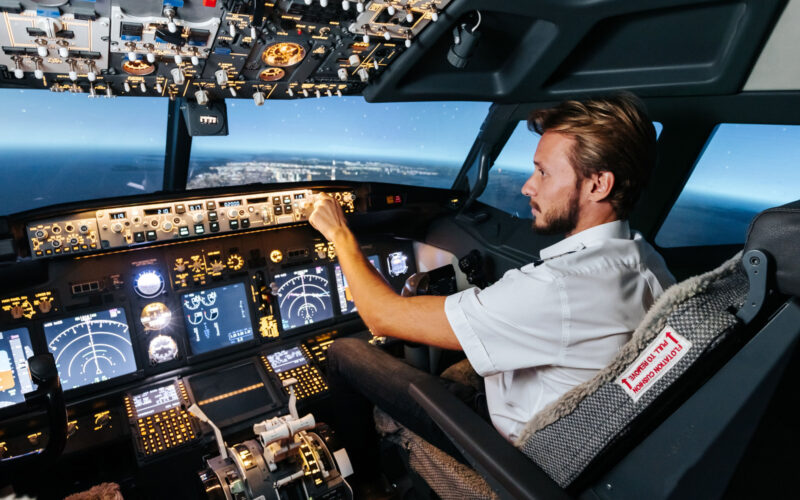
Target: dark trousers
[361, 376]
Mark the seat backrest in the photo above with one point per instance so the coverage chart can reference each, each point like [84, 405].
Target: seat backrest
[687, 328]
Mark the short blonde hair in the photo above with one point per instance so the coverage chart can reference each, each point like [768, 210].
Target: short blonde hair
[612, 134]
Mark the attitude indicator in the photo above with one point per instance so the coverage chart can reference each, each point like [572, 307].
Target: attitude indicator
[91, 348]
[304, 297]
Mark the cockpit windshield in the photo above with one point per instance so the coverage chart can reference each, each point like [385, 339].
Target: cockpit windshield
[62, 149]
[347, 138]
[59, 148]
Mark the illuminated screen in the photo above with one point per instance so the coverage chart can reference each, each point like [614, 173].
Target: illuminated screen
[345, 297]
[217, 317]
[286, 359]
[15, 349]
[155, 400]
[304, 296]
[91, 348]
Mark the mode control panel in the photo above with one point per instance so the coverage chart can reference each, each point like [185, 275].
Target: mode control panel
[125, 226]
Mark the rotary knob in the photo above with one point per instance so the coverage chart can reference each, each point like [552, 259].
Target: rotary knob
[198, 217]
[116, 227]
[166, 226]
[41, 234]
[232, 213]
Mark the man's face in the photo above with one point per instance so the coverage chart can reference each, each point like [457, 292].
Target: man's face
[553, 188]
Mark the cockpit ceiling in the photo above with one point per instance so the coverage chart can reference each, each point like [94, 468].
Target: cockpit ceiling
[392, 50]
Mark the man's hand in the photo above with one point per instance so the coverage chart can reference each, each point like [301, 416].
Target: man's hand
[328, 218]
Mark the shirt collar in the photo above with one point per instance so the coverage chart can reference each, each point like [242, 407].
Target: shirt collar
[618, 229]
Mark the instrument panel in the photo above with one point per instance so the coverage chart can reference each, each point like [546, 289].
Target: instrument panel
[118, 316]
[227, 316]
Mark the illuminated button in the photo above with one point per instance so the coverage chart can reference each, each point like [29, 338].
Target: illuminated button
[75, 248]
[151, 236]
[245, 223]
[138, 237]
[212, 215]
[287, 199]
[211, 205]
[84, 247]
[199, 229]
[234, 224]
[276, 200]
[287, 209]
[278, 210]
[179, 209]
[183, 231]
[93, 245]
[39, 253]
[213, 226]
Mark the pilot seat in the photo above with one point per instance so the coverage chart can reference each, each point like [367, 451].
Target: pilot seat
[671, 416]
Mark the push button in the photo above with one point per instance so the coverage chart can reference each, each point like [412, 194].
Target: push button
[151, 236]
[245, 223]
[213, 226]
[234, 224]
[138, 237]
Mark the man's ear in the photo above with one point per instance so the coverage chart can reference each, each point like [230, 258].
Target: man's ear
[600, 185]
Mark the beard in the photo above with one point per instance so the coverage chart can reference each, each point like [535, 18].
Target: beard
[560, 220]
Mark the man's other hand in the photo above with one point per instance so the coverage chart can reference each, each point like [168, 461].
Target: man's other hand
[327, 217]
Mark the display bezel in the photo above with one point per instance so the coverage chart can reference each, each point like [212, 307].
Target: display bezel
[32, 341]
[336, 264]
[137, 355]
[189, 353]
[278, 397]
[337, 312]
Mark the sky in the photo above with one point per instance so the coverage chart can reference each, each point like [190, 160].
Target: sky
[433, 131]
[731, 164]
[438, 132]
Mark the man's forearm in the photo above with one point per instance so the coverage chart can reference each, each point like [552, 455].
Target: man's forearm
[368, 288]
[417, 319]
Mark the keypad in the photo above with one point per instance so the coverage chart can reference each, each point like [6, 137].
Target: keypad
[310, 381]
[165, 430]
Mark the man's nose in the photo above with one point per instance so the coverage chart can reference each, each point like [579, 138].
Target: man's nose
[529, 189]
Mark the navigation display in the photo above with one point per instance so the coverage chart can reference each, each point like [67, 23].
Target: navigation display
[286, 359]
[91, 348]
[304, 297]
[345, 297]
[217, 317]
[155, 400]
[15, 349]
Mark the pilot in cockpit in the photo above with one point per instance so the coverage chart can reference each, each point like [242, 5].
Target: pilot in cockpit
[541, 329]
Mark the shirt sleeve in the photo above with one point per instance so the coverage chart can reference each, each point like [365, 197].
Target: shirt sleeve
[515, 323]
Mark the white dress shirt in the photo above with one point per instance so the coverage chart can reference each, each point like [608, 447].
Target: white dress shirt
[541, 330]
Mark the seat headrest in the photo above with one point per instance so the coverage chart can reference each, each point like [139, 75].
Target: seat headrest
[776, 231]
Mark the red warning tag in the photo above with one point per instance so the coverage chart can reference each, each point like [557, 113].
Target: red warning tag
[658, 358]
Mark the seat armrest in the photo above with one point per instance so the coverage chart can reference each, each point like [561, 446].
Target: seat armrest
[505, 468]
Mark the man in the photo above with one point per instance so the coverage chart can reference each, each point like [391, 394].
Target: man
[541, 329]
